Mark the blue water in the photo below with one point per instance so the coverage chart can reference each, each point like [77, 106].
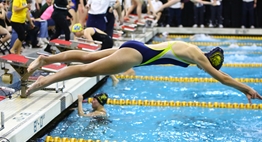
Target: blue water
[169, 124]
[148, 124]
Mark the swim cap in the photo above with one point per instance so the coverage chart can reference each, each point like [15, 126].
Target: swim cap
[77, 28]
[216, 57]
[101, 98]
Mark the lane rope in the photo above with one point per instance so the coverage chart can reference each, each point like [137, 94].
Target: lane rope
[221, 37]
[185, 79]
[218, 43]
[65, 139]
[180, 104]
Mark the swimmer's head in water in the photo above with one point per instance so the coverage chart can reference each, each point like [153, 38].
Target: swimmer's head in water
[216, 57]
[77, 28]
[101, 98]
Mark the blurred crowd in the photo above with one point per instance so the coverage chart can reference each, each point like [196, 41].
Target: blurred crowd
[35, 22]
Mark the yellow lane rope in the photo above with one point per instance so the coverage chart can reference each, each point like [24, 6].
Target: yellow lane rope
[181, 104]
[241, 65]
[65, 139]
[185, 79]
[218, 43]
[222, 37]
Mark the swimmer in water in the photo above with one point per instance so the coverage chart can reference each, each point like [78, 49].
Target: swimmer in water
[134, 53]
[98, 102]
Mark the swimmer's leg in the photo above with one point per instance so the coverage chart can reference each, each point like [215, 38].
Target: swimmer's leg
[112, 64]
[69, 56]
[130, 72]
[114, 80]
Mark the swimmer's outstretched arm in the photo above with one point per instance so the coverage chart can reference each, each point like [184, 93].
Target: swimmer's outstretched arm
[80, 106]
[228, 80]
[168, 4]
[112, 64]
[69, 56]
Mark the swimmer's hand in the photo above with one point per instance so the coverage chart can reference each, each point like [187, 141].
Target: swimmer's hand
[80, 98]
[252, 94]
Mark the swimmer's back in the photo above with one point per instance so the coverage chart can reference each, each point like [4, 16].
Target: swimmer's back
[181, 49]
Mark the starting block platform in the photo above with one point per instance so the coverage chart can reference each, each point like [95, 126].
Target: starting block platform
[133, 19]
[64, 45]
[20, 64]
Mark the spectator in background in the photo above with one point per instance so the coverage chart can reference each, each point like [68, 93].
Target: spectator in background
[199, 10]
[82, 11]
[38, 6]
[3, 30]
[114, 4]
[45, 6]
[9, 12]
[20, 12]
[71, 10]
[46, 15]
[175, 10]
[152, 7]
[97, 14]
[59, 16]
[138, 5]
[248, 9]
[216, 14]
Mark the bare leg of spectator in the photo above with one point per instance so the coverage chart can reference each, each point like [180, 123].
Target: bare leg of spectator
[7, 34]
[16, 49]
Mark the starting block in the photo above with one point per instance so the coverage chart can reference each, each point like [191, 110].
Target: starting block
[64, 45]
[134, 19]
[128, 29]
[117, 36]
[149, 18]
[20, 64]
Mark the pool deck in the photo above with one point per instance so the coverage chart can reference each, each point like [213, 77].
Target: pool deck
[24, 117]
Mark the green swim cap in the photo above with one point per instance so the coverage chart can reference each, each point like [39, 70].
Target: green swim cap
[101, 98]
[216, 57]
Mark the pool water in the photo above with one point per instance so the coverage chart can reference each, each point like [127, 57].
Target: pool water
[169, 124]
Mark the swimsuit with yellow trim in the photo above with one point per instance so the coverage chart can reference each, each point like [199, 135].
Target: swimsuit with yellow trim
[153, 56]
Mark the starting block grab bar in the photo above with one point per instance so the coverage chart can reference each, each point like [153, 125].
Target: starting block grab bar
[63, 45]
[83, 42]
[2, 121]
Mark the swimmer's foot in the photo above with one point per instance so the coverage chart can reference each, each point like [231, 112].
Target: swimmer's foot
[35, 86]
[115, 82]
[36, 64]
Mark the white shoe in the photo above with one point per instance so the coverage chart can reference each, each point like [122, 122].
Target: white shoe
[45, 40]
[243, 27]
[211, 26]
[154, 23]
[167, 26]
[40, 41]
[220, 26]
[180, 26]
[195, 25]
[202, 26]
[252, 27]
